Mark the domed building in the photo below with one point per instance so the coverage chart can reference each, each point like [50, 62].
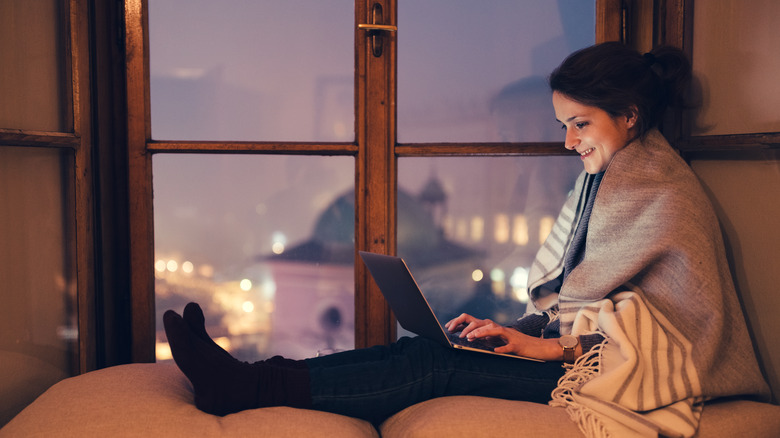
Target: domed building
[421, 241]
[313, 306]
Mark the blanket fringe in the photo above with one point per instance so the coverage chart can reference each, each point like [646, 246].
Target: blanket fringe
[585, 368]
[553, 314]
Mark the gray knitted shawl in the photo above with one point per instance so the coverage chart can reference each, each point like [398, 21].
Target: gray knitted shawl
[655, 281]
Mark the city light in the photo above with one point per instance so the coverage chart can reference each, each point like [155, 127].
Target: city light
[245, 284]
[206, 271]
[162, 351]
[477, 228]
[497, 274]
[519, 283]
[477, 275]
[279, 241]
[520, 230]
[461, 229]
[501, 232]
[224, 342]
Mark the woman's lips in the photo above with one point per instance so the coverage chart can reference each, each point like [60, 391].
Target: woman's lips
[586, 153]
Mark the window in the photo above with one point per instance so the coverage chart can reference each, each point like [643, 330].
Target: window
[273, 264]
[45, 215]
[475, 72]
[264, 243]
[371, 117]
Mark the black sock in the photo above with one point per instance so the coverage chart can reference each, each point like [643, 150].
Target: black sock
[193, 315]
[224, 385]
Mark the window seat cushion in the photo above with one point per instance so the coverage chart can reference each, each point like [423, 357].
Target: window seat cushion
[479, 416]
[156, 400]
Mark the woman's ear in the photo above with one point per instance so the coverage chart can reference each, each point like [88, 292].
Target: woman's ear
[632, 116]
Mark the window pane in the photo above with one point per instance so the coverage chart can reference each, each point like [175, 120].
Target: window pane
[236, 70]
[38, 319]
[470, 227]
[728, 36]
[471, 70]
[264, 243]
[32, 83]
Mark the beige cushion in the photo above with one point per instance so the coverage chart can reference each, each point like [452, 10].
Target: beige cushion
[739, 418]
[479, 416]
[22, 379]
[156, 400]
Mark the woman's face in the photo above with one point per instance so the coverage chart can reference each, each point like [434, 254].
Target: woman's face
[592, 132]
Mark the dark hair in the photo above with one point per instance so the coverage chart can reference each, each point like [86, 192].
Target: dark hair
[616, 78]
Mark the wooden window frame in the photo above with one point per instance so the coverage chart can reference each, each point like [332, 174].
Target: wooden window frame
[77, 139]
[375, 151]
[673, 25]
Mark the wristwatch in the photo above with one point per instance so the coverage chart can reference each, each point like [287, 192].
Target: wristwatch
[569, 344]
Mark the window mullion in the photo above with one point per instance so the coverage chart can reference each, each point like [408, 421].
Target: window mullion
[375, 171]
[140, 173]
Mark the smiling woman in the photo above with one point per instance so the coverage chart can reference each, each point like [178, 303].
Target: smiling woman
[609, 94]
[593, 133]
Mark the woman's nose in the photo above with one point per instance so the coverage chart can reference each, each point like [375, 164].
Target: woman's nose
[571, 141]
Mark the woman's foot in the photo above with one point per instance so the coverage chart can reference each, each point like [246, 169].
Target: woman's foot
[193, 316]
[222, 384]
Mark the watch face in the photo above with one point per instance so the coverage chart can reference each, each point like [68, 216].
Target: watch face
[568, 341]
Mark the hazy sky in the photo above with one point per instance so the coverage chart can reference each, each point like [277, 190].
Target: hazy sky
[284, 70]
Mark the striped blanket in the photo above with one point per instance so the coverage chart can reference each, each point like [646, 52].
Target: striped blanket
[655, 282]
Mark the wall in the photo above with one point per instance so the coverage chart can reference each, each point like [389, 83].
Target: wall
[731, 42]
[745, 192]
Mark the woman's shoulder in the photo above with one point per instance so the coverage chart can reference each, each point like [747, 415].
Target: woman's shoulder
[653, 177]
[650, 163]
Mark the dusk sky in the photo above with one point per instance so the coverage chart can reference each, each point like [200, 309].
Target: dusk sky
[247, 70]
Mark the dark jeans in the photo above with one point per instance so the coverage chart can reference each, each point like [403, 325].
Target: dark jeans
[375, 383]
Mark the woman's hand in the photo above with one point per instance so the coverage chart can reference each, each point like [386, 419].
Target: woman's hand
[466, 323]
[514, 342]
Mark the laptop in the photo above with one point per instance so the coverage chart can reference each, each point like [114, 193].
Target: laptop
[412, 309]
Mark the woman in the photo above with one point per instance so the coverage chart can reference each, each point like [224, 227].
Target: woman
[632, 283]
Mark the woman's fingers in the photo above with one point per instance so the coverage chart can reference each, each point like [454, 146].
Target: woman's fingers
[459, 322]
[469, 329]
[454, 322]
[486, 330]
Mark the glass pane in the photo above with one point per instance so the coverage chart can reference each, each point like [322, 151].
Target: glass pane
[470, 227]
[728, 36]
[237, 70]
[264, 243]
[32, 83]
[38, 319]
[472, 70]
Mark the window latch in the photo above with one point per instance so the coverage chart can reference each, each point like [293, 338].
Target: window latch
[376, 30]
